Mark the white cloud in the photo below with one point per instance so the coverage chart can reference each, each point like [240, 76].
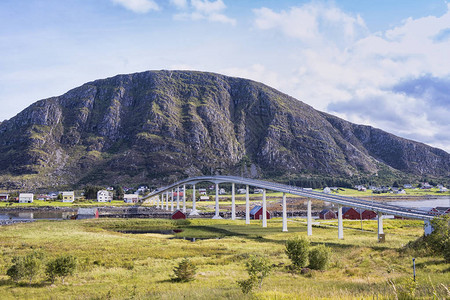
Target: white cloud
[138, 6]
[202, 10]
[311, 22]
[337, 65]
[180, 4]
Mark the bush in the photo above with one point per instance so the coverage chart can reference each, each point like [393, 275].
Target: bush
[297, 250]
[438, 242]
[25, 266]
[60, 267]
[185, 271]
[319, 257]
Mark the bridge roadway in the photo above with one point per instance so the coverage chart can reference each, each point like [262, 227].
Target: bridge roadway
[378, 207]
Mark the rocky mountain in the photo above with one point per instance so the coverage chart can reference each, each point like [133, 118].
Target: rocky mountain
[162, 125]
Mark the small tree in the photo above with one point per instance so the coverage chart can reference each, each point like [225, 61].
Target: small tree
[60, 267]
[25, 266]
[258, 268]
[185, 271]
[319, 257]
[297, 250]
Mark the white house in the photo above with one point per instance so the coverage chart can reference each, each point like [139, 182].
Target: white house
[222, 191]
[4, 197]
[68, 196]
[327, 190]
[130, 198]
[202, 192]
[257, 191]
[443, 189]
[242, 191]
[104, 196]
[204, 198]
[26, 198]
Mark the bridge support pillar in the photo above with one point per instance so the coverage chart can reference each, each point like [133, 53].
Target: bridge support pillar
[178, 197]
[217, 215]
[309, 217]
[167, 200]
[247, 206]
[162, 201]
[264, 212]
[284, 213]
[380, 224]
[194, 211]
[233, 203]
[171, 201]
[340, 224]
[157, 202]
[427, 227]
[184, 198]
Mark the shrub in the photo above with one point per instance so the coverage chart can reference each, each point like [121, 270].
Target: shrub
[297, 250]
[25, 266]
[246, 285]
[319, 257]
[60, 267]
[185, 271]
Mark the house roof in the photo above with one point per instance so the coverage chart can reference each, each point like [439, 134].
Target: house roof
[255, 209]
[324, 211]
[346, 209]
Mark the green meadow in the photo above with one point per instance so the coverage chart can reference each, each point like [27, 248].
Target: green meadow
[117, 265]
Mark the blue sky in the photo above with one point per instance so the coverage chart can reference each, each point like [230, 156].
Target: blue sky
[381, 63]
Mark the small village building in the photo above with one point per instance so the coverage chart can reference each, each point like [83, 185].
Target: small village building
[408, 186]
[256, 213]
[443, 189]
[177, 215]
[350, 213]
[257, 191]
[440, 210]
[68, 196]
[130, 198]
[202, 191]
[176, 194]
[104, 196]
[204, 198]
[26, 198]
[327, 190]
[327, 214]
[87, 213]
[426, 186]
[4, 197]
[43, 197]
[242, 191]
[222, 191]
[53, 195]
[360, 188]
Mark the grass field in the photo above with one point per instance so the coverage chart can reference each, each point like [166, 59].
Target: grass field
[115, 265]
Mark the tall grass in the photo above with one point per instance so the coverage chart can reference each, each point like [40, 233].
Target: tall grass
[116, 265]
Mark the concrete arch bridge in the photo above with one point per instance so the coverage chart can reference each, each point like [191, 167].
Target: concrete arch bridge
[381, 209]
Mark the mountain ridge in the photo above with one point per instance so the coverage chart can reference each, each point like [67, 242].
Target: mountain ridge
[157, 126]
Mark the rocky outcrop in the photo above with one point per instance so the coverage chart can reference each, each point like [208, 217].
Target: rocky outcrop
[161, 125]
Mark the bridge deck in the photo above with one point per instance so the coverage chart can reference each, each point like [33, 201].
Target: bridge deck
[378, 207]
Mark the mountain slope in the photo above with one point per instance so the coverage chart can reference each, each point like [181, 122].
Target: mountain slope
[160, 125]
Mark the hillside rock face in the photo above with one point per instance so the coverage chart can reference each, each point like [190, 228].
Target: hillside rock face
[163, 125]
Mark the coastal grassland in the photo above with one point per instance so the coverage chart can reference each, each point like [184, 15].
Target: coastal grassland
[116, 265]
